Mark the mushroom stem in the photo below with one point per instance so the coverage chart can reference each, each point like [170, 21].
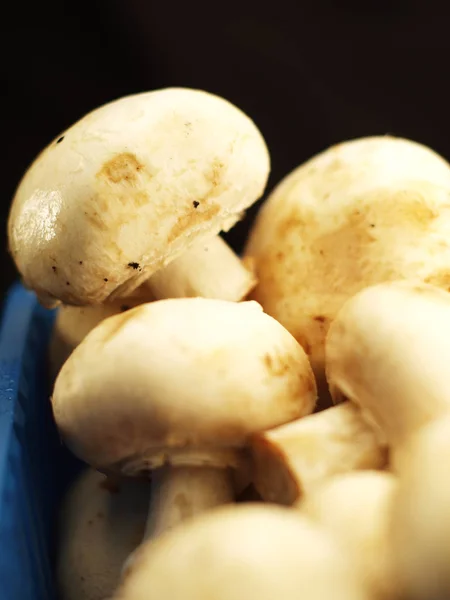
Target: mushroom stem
[179, 493]
[292, 459]
[209, 269]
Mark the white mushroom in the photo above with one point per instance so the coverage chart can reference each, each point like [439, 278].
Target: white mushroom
[129, 188]
[180, 385]
[291, 460]
[201, 269]
[73, 323]
[177, 280]
[356, 508]
[99, 525]
[421, 516]
[363, 212]
[250, 552]
[388, 351]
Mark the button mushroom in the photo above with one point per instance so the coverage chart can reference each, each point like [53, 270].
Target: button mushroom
[363, 212]
[421, 515]
[177, 280]
[200, 269]
[131, 187]
[251, 552]
[291, 460]
[180, 385]
[73, 323]
[356, 509]
[387, 351]
[100, 524]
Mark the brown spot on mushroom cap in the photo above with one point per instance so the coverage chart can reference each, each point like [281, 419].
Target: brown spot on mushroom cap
[320, 319]
[192, 219]
[121, 187]
[279, 364]
[308, 262]
[440, 279]
[124, 167]
[214, 175]
[207, 211]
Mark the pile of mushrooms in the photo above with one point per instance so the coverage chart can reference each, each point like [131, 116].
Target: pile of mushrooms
[203, 389]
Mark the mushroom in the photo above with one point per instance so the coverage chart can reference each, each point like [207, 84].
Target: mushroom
[363, 212]
[129, 188]
[356, 509]
[421, 515]
[179, 386]
[100, 524]
[291, 460]
[256, 552]
[387, 351]
[200, 269]
[177, 280]
[73, 323]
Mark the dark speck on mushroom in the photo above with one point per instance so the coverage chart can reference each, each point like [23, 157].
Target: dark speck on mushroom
[105, 279]
[81, 262]
[195, 203]
[320, 319]
[134, 265]
[54, 269]
[124, 307]
[60, 139]
[67, 282]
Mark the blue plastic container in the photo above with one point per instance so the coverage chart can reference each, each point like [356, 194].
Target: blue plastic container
[34, 466]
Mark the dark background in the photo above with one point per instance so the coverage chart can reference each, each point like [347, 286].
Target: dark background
[310, 73]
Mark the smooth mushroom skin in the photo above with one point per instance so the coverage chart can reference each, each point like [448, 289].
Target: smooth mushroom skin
[179, 494]
[387, 351]
[182, 383]
[209, 266]
[99, 525]
[199, 268]
[362, 212]
[356, 508]
[73, 323]
[250, 551]
[291, 460]
[130, 187]
[421, 515]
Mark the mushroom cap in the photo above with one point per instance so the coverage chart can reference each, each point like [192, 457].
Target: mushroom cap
[99, 526]
[363, 212]
[388, 351]
[252, 551]
[73, 323]
[421, 514]
[181, 381]
[128, 188]
[356, 508]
